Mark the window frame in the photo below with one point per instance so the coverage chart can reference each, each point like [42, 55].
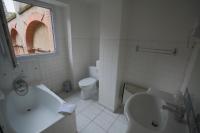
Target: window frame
[5, 38]
[52, 13]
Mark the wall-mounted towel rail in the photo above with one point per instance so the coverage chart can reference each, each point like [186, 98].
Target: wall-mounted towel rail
[156, 50]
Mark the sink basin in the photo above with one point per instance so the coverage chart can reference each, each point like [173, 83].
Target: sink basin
[145, 114]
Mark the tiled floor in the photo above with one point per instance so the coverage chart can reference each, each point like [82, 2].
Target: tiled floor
[91, 117]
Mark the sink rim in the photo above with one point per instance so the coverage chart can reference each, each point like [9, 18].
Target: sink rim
[130, 116]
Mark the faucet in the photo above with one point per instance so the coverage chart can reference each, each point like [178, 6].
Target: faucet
[179, 111]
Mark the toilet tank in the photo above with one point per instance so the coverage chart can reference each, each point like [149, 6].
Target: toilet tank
[93, 72]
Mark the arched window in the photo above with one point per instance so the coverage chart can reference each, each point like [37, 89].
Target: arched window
[38, 38]
[16, 42]
[31, 30]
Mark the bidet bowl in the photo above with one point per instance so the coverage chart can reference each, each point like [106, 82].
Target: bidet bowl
[145, 114]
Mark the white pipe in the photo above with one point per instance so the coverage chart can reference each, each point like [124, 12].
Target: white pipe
[2, 96]
[189, 68]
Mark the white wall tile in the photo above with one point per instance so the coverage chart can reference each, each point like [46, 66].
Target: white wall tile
[109, 50]
[164, 72]
[110, 21]
[85, 29]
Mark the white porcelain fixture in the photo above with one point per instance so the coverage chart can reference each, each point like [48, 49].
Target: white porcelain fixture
[37, 112]
[89, 85]
[146, 115]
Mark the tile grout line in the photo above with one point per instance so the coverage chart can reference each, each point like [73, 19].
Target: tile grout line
[112, 124]
[84, 108]
[92, 121]
[96, 123]
[86, 126]
[95, 116]
[94, 102]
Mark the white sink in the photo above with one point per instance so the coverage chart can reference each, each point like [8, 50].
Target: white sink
[145, 115]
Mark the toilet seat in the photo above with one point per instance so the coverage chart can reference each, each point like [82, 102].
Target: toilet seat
[87, 81]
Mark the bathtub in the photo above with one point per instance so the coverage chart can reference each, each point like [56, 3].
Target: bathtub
[37, 112]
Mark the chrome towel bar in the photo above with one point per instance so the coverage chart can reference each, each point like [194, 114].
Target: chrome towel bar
[156, 50]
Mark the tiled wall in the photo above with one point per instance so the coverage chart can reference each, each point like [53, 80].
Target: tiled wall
[85, 39]
[194, 84]
[157, 25]
[152, 24]
[50, 70]
[109, 53]
[164, 72]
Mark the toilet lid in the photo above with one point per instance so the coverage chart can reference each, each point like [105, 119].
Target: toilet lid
[87, 81]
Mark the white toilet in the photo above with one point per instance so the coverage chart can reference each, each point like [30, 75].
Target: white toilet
[89, 85]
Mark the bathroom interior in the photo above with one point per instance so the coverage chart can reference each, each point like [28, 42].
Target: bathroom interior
[99, 66]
